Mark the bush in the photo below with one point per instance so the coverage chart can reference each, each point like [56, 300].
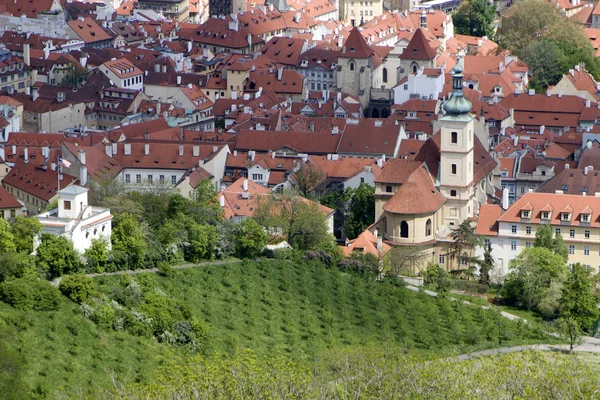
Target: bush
[78, 287]
[25, 294]
[165, 269]
[319, 255]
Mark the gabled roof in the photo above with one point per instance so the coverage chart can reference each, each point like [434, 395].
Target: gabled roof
[88, 30]
[356, 46]
[418, 48]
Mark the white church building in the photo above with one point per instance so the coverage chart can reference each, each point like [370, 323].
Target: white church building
[76, 220]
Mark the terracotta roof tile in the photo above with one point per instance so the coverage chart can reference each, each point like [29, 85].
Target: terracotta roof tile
[417, 195]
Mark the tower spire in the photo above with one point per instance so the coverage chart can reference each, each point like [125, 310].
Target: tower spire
[458, 104]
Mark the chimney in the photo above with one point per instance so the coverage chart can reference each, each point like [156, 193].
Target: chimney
[585, 170]
[83, 175]
[26, 54]
[340, 41]
[127, 149]
[83, 59]
[516, 141]
[279, 73]
[180, 150]
[147, 149]
[189, 46]
[196, 150]
[178, 80]
[60, 97]
[14, 149]
[156, 67]
[245, 185]
[164, 68]
[505, 199]
[588, 104]
[251, 155]
[26, 155]
[222, 201]
[35, 94]
[235, 153]
[81, 156]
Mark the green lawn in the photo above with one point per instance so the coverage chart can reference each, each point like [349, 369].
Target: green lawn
[298, 311]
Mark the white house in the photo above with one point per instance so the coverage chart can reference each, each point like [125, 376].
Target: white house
[76, 220]
[123, 74]
[427, 83]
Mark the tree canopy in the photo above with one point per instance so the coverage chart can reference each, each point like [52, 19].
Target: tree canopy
[361, 211]
[474, 18]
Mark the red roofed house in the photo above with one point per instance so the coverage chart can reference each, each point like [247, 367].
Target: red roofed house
[578, 82]
[198, 107]
[575, 217]
[91, 33]
[10, 207]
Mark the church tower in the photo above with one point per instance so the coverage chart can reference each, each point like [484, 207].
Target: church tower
[457, 143]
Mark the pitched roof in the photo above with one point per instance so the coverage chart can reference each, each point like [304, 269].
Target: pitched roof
[555, 202]
[417, 195]
[487, 222]
[311, 143]
[33, 179]
[88, 30]
[418, 48]
[397, 170]
[356, 46]
[573, 181]
[7, 200]
[366, 242]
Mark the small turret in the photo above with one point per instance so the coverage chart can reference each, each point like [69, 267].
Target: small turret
[458, 104]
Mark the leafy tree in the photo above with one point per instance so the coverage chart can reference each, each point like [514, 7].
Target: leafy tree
[544, 59]
[436, 277]
[77, 287]
[301, 221]
[486, 265]
[75, 77]
[533, 274]
[475, 18]
[24, 229]
[56, 256]
[306, 179]
[578, 299]
[404, 260]
[128, 239]
[17, 265]
[7, 239]
[464, 240]
[28, 295]
[569, 329]
[202, 242]
[249, 239]
[97, 255]
[531, 20]
[543, 238]
[205, 208]
[362, 210]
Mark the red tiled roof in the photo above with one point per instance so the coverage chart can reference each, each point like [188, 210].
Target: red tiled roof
[487, 222]
[417, 195]
[356, 46]
[418, 48]
[88, 30]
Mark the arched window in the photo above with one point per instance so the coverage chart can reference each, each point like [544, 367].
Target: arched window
[351, 66]
[471, 86]
[404, 229]
[428, 228]
[385, 77]
[415, 69]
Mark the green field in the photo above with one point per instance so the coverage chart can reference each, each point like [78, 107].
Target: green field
[299, 311]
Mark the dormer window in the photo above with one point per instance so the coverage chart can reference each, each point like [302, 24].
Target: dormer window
[546, 215]
[585, 217]
[565, 217]
[525, 214]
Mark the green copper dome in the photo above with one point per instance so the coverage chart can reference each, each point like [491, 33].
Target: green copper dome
[458, 104]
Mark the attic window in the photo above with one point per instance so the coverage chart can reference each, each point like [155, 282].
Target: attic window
[565, 187]
[585, 217]
[545, 215]
[352, 50]
[565, 216]
[584, 189]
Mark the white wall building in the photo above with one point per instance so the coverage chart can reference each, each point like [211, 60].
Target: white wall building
[427, 83]
[123, 74]
[76, 220]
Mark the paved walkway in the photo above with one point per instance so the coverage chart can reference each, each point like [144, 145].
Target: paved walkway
[143, 271]
[589, 345]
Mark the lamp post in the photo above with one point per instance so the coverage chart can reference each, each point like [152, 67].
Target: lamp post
[499, 334]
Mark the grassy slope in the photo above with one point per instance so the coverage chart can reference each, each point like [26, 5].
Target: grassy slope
[274, 307]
